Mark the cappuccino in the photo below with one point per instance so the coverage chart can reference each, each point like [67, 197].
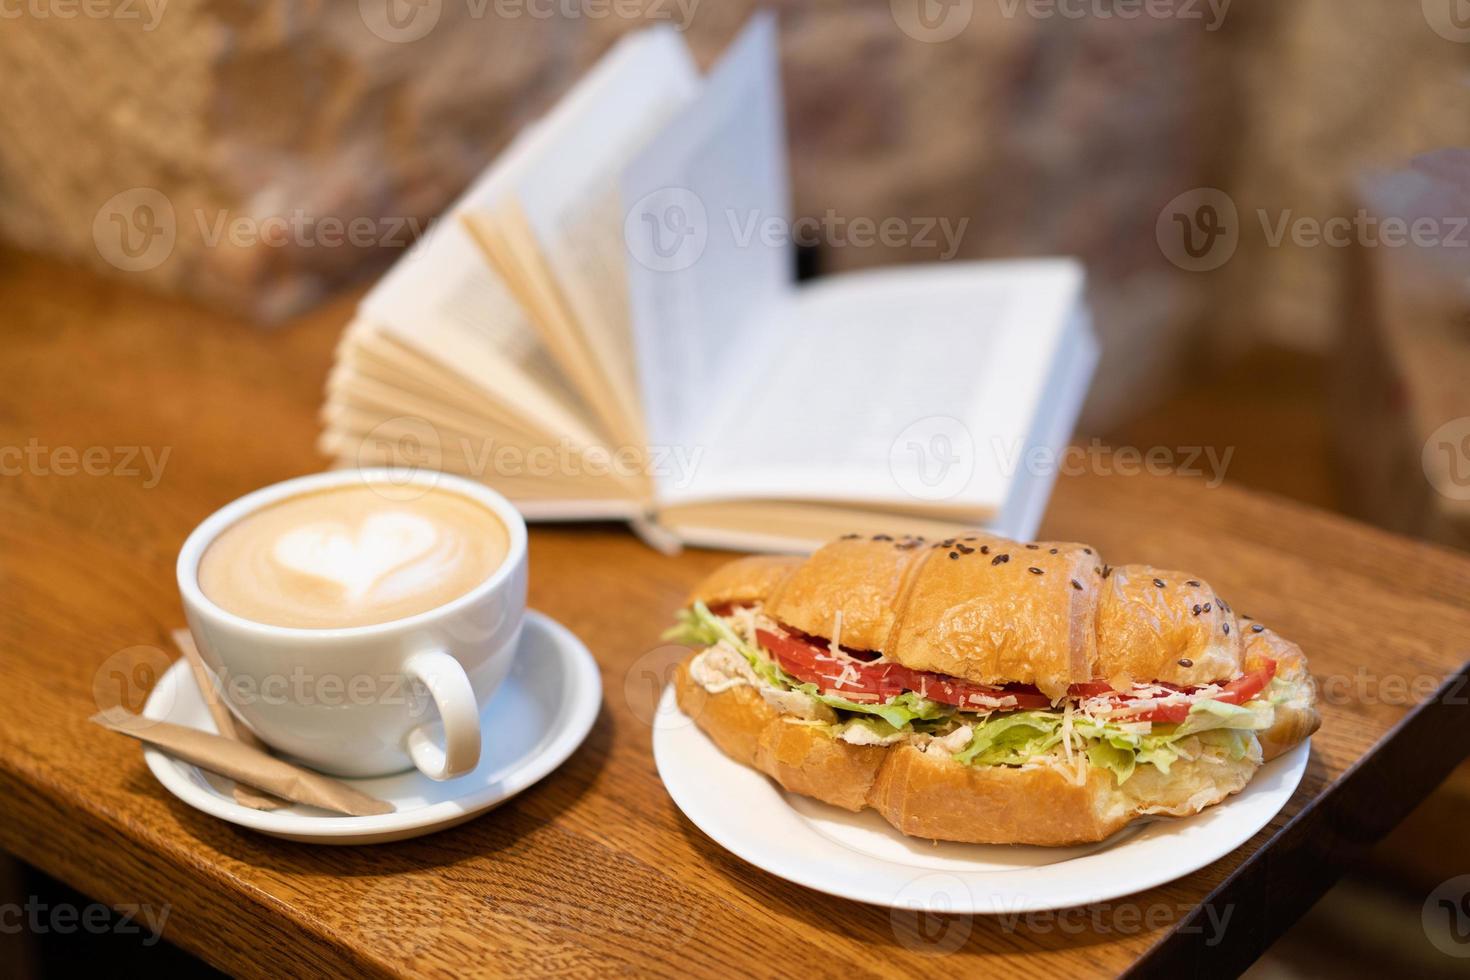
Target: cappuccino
[351, 556]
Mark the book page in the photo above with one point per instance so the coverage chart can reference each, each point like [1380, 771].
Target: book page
[557, 231]
[699, 268]
[901, 388]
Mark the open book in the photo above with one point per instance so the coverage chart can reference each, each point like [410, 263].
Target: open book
[607, 325]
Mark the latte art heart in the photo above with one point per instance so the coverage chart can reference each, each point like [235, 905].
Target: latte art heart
[384, 546]
[352, 557]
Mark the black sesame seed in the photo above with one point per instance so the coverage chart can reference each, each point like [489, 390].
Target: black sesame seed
[1000, 559]
[1052, 551]
[882, 537]
[1226, 628]
[1185, 662]
[1159, 582]
[1198, 609]
[1077, 585]
[964, 549]
[1033, 547]
[985, 549]
[954, 554]
[1257, 628]
[1192, 583]
[1087, 551]
[972, 539]
[850, 537]
[1207, 607]
[1107, 570]
[1035, 571]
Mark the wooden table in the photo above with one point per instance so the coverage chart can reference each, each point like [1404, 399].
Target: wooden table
[594, 870]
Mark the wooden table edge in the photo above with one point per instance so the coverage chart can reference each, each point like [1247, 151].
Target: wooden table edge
[1331, 833]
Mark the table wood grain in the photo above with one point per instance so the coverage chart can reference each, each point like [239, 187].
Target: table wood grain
[594, 870]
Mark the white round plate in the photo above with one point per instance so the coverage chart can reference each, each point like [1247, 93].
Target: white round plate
[537, 718]
[861, 857]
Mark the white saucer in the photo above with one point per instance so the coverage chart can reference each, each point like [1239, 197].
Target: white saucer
[861, 857]
[537, 718]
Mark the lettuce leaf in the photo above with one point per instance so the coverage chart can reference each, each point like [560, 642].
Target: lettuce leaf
[1012, 739]
[899, 712]
[698, 626]
[1016, 738]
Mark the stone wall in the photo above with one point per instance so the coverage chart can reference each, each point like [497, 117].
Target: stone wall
[1051, 127]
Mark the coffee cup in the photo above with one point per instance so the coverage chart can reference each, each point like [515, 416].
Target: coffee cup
[359, 620]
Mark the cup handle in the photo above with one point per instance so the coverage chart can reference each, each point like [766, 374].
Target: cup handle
[450, 688]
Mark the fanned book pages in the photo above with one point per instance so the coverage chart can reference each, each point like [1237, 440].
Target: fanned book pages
[607, 325]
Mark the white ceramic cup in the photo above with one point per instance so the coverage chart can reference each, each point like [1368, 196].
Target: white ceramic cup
[366, 700]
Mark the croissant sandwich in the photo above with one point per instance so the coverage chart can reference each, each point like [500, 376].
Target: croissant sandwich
[983, 690]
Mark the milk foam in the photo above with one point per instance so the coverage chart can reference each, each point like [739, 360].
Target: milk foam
[351, 557]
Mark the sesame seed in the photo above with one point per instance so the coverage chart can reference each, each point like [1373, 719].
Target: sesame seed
[954, 554]
[1185, 662]
[964, 549]
[1257, 628]
[1159, 582]
[985, 549]
[1052, 551]
[1033, 547]
[1077, 585]
[1207, 607]
[1226, 627]
[850, 537]
[1198, 609]
[882, 537]
[1035, 571]
[1087, 550]
[1192, 583]
[1000, 559]
[1107, 570]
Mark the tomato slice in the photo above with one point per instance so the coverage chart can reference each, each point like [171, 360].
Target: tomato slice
[861, 681]
[1239, 691]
